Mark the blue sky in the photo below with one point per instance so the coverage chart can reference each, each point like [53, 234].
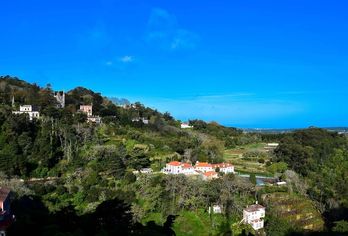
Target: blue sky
[243, 63]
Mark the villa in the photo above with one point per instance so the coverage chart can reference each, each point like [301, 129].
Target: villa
[253, 215]
[176, 168]
[204, 167]
[224, 167]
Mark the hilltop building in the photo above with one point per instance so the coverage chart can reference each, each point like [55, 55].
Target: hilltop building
[60, 97]
[254, 215]
[30, 110]
[88, 109]
[186, 126]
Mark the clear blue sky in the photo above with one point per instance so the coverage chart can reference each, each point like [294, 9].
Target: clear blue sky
[241, 63]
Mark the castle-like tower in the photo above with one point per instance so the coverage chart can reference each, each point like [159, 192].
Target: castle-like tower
[60, 96]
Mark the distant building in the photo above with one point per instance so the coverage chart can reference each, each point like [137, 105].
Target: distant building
[60, 97]
[88, 109]
[216, 209]
[271, 146]
[253, 215]
[186, 126]
[143, 171]
[30, 110]
[94, 119]
[224, 167]
[141, 119]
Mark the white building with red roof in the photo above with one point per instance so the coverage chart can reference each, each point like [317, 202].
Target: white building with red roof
[210, 175]
[254, 215]
[224, 167]
[204, 167]
[176, 168]
[186, 126]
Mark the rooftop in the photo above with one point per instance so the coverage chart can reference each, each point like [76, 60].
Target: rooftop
[174, 163]
[210, 173]
[203, 164]
[255, 207]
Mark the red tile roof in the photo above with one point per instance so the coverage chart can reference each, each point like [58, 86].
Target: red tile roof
[203, 164]
[174, 163]
[210, 173]
[186, 165]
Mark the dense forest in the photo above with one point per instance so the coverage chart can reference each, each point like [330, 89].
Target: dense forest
[71, 177]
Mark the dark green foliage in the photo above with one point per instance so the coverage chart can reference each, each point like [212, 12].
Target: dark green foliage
[252, 179]
[303, 150]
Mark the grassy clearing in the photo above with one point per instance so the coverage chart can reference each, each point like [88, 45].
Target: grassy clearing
[197, 223]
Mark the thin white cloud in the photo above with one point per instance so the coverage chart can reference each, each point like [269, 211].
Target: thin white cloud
[164, 32]
[108, 63]
[127, 59]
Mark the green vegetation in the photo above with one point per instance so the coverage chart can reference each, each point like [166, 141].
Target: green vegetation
[70, 177]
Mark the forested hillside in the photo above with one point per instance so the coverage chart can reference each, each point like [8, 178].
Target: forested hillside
[72, 177]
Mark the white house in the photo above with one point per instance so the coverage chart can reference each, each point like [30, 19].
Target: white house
[176, 168]
[28, 109]
[254, 216]
[186, 126]
[204, 167]
[224, 167]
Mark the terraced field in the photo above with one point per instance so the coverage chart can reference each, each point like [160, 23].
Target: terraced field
[250, 164]
[297, 210]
